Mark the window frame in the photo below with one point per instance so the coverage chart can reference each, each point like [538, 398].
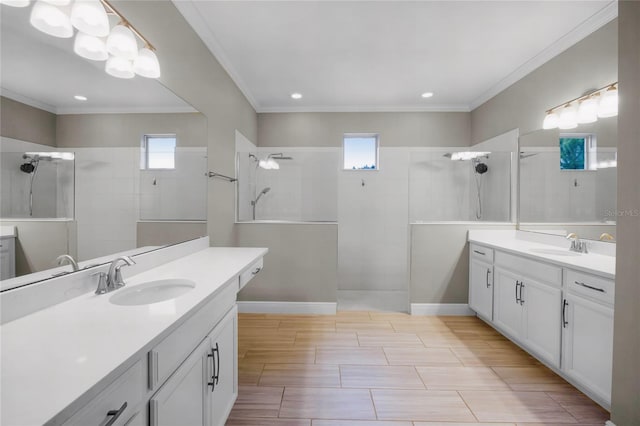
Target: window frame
[145, 150]
[362, 135]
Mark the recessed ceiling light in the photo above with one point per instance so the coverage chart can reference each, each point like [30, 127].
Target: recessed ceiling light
[427, 94]
[296, 95]
[80, 98]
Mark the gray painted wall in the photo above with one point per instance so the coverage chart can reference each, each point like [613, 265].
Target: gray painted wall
[589, 64]
[127, 130]
[301, 265]
[192, 72]
[26, 123]
[440, 262]
[161, 233]
[395, 128]
[625, 404]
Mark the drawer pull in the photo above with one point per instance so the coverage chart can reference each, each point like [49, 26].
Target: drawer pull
[114, 414]
[256, 271]
[601, 290]
[480, 253]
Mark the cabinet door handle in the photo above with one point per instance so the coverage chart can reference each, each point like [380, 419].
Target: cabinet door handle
[255, 271]
[114, 414]
[480, 253]
[488, 272]
[213, 382]
[521, 298]
[216, 373]
[601, 290]
[517, 285]
[565, 323]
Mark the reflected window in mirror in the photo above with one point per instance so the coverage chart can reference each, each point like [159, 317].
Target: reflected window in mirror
[578, 151]
[158, 152]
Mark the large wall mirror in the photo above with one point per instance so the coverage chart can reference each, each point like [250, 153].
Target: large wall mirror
[568, 180]
[92, 165]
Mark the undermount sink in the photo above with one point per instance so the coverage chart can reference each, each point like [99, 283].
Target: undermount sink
[152, 292]
[555, 252]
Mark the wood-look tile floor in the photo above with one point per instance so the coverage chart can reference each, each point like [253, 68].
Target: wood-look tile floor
[392, 369]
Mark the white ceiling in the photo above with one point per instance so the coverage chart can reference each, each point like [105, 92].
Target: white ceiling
[43, 71]
[381, 55]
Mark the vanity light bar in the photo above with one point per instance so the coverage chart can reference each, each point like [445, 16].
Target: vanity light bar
[584, 109]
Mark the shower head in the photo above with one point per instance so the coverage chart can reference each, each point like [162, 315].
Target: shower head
[28, 167]
[481, 168]
[264, 191]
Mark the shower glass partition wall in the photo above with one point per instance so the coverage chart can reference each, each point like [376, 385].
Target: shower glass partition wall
[298, 185]
[37, 185]
[463, 186]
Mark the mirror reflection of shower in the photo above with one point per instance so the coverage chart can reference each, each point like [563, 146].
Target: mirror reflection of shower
[268, 163]
[479, 168]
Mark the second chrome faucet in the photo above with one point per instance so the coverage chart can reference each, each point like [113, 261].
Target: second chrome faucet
[113, 279]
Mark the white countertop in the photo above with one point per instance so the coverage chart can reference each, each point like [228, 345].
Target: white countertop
[62, 354]
[592, 263]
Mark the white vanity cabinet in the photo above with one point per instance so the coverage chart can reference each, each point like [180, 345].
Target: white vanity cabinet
[587, 333]
[562, 316]
[481, 281]
[184, 398]
[7, 256]
[528, 308]
[203, 389]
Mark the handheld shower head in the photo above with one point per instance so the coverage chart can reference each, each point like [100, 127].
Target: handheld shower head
[267, 189]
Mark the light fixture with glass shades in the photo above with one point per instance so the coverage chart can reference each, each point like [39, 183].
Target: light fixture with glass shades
[95, 39]
[600, 103]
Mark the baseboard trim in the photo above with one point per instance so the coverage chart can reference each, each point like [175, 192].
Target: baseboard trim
[454, 309]
[319, 308]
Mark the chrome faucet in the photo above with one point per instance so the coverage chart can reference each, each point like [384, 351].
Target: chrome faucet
[113, 279]
[577, 245]
[60, 260]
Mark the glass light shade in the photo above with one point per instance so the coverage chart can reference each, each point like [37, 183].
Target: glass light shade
[90, 17]
[568, 118]
[550, 121]
[146, 64]
[120, 67]
[90, 47]
[122, 42]
[58, 2]
[51, 20]
[588, 111]
[16, 3]
[609, 103]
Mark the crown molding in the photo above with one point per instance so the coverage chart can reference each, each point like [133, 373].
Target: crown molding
[27, 100]
[355, 108]
[125, 110]
[192, 14]
[592, 24]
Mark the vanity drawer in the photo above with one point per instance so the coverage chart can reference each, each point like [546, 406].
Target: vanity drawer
[589, 285]
[165, 358]
[545, 272]
[481, 253]
[247, 275]
[127, 389]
